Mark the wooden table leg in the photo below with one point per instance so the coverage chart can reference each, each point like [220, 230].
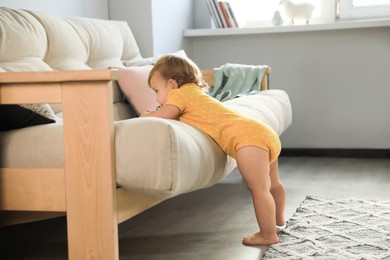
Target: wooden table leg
[90, 170]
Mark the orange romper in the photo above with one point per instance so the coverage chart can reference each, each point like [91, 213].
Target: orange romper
[230, 130]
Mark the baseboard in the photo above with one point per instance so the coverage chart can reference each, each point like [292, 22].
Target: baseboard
[342, 153]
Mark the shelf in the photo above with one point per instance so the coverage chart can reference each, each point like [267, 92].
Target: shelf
[288, 29]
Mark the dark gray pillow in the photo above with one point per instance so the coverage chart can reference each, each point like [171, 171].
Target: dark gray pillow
[19, 116]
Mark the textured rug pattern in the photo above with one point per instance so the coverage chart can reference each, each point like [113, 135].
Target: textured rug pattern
[335, 229]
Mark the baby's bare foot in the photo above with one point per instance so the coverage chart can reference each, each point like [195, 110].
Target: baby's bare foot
[257, 239]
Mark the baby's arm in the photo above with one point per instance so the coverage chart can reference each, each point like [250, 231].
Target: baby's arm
[167, 112]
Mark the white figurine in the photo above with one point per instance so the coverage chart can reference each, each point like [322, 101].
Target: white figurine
[296, 11]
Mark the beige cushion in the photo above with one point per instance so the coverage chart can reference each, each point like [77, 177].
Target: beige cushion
[102, 40]
[35, 146]
[65, 50]
[166, 157]
[23, 42]
[270, 106]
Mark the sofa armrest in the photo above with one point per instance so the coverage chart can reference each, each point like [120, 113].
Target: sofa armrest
[89, 168]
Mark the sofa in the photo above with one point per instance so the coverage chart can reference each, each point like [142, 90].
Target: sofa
[89, 155]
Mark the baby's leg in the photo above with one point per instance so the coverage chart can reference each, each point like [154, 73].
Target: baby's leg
[279, 193]
[253, 163]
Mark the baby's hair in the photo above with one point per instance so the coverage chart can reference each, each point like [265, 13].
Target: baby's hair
[178, 68]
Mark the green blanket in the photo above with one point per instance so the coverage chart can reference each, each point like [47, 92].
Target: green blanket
[234, 80]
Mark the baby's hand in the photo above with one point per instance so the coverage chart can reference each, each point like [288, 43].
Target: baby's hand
[148, 111]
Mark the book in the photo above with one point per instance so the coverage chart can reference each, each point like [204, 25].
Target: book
[233, 17]
[222, 14]
[213, 13]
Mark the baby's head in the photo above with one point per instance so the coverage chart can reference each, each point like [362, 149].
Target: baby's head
[180, 69]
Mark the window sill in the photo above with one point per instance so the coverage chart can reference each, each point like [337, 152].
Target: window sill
[345, 24]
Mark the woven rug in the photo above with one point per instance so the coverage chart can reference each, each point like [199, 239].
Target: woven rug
[335, 229]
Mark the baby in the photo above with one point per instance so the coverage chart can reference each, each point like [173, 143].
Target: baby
[178, 83]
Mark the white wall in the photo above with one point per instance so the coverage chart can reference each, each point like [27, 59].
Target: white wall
[170, 19]
[86, 8]
[157, 25]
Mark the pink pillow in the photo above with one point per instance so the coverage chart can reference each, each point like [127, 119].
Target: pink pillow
[134, 83]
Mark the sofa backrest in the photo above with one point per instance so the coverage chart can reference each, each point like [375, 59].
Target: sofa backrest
[34, 41]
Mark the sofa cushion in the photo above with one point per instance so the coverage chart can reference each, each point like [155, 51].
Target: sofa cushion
[134, 84]
[40, 146]
[52, 42]
[23, 42]
[165, 158]
[19, 116]
[101, 40]
[65, 50]
[272, 107]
